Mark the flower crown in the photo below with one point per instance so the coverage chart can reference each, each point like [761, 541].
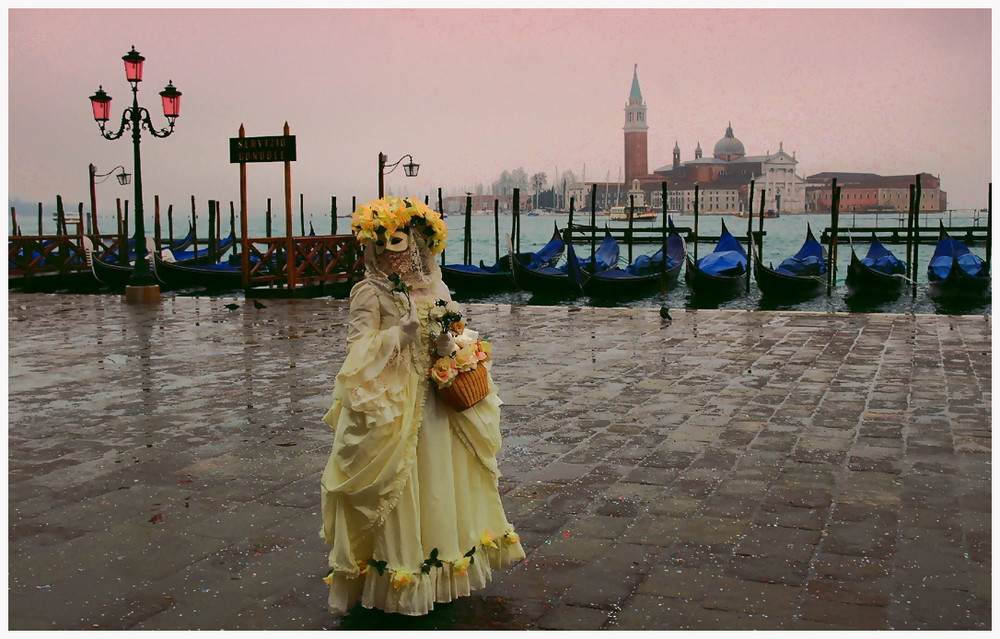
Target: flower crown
[378, 219]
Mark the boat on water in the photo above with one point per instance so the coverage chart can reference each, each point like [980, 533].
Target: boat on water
[879, 274]
[541, 277]
[224, 276]
[954, 272]
[798, 277]
[721, 273]
[644, 276]
[770, 213]
[620, 213]
[468, 279]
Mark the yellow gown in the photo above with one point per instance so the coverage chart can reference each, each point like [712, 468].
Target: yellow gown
[409, 495]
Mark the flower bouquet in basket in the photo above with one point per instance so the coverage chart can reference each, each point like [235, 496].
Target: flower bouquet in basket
[456, 371]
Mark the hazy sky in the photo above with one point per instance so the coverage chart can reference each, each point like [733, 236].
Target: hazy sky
[472, 92]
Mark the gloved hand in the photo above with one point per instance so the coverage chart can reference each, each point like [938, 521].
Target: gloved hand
[409, 325]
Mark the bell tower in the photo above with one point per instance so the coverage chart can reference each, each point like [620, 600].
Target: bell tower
[636, 162]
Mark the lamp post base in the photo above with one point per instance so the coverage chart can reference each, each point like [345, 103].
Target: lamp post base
[142, 294]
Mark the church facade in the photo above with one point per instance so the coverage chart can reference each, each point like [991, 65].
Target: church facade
[723, 180]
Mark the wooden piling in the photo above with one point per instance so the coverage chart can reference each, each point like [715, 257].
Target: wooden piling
[333, 215]
[40, 219]
[467, 246]
[989, 225]
[170, 222]
[916, 232]
[156, 222]
[835, 226]
[663, 238]
[593, 226]
[496, 228]
[194, 224]
[302, 214]
[267, 220]
[517, 222]
[569, 226]
[695, 234]
[13, 221]
[122, 242]
[631, 224]
[212, 215]
[441, 211]
[750, 231]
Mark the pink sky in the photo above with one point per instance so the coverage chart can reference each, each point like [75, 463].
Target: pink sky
[472, 92]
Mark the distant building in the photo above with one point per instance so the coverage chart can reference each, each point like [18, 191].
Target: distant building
[723, 180]
[868, 192]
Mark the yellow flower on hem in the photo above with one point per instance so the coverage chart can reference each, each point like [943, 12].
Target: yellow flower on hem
[401, 579]
[511, 538]
[487, 540]
[461, 566]
[328, 580]
[363, 567]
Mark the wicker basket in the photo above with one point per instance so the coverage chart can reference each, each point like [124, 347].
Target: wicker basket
[466, 389]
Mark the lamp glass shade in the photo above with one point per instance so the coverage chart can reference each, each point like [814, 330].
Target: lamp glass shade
[171, 101]
[133, 65]
[411, 169]
[124, 178]
[101, 102]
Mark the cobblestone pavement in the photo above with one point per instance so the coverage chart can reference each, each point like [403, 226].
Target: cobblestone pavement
[729, 469]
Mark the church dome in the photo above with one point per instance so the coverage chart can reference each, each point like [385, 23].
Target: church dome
[729, 148]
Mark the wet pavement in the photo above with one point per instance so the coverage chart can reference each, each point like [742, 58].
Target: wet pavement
[726, 470]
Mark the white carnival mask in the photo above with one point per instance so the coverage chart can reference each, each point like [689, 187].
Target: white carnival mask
[397, 243]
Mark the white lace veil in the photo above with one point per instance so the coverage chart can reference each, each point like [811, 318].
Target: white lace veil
[416, 264]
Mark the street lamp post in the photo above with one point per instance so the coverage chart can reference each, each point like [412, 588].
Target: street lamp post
[142, 284]
[410, 168]
[123, 179]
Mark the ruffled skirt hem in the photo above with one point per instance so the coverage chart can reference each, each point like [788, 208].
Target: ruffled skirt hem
[418, 597]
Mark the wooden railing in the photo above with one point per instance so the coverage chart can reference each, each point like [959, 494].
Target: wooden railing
[318, 261]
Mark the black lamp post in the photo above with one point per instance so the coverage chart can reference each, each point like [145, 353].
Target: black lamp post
[135, 118]
[410, 168]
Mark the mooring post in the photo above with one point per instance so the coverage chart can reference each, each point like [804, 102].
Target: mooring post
[517, 222]
[989, 225]
[170, 222]
[750, 230]
[496, 227]
[663, 240]
[194, 223]
[441, 211]
[916, 233]
[833, 237]
[156, 222]
[696, 223]
[467, 246]
[593, 226]
[569, 227]
[302, 214]
[910, 267]
[122, 243]
[333, 215]
[40, 218]
[13, 220]
[268, 219]
[212, 207]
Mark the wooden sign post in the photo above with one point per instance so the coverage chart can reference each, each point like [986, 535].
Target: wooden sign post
[275, 148]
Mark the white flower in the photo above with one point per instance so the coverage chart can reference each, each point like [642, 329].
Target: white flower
[446, 344]
[437, 313]
[464, 340]
[453, 307]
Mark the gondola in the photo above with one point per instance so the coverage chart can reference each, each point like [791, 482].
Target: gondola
[956, 273]
[115, 276]
[221, 276]
[723, 272]
[206, 255]
[545, 280]
[468, 278]
[879, 274]
[644, 276]
[796, 278]
[182, 244]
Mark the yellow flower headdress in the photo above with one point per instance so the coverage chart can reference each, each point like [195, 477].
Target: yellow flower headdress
[378, 219]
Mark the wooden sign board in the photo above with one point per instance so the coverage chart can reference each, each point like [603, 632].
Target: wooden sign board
[269, 148]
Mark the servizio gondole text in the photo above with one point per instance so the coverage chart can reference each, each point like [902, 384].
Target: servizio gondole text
[273, 148]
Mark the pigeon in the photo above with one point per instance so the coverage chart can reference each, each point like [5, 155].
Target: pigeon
[232, 307]
[665, 313]
[257, 305]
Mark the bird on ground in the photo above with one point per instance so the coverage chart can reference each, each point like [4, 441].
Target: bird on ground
[232, 307]
[257, 305]
[665, 313]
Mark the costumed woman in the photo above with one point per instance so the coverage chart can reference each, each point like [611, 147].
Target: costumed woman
[409, 495]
